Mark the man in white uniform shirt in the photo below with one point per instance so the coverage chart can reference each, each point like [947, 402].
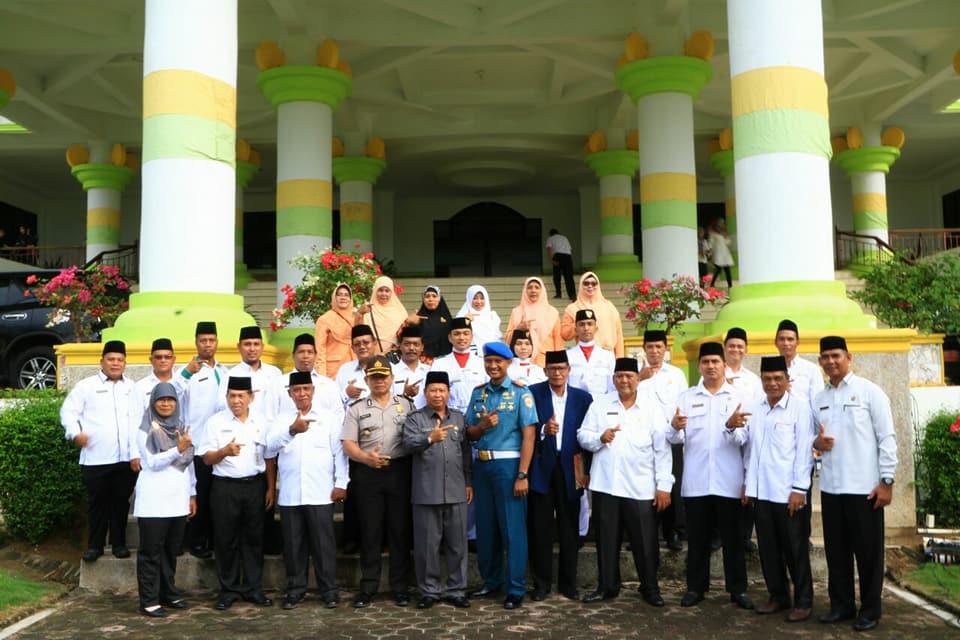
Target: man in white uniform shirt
[665, 383]
[859, 447]
[409, 373]
[243, 489]
[101, 415]
[464, 368]
[326, 393]
[264, 377]
[779, 460]
[591, 366]
[350, 376]
[630, 481]
[162, 360]
[805, 377]
[710, 423]
[202, 379]
[313, 476]
[561, 255]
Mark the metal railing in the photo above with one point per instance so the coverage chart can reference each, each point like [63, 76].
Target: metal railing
[126, 257]
[919, 243]
[863, 250]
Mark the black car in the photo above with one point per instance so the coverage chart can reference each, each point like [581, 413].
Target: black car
[27, 359]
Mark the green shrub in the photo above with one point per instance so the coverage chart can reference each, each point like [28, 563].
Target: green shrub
[939, 473]
[40, 484]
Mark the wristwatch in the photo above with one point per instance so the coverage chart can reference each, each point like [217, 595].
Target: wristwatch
[887, 481]
[521, 475]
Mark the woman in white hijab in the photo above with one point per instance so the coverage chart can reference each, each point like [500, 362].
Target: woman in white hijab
[485, 321]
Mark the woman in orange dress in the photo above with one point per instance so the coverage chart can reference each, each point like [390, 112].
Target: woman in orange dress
[609, 326]
[384, 313]
[333, 332]
[537, 315]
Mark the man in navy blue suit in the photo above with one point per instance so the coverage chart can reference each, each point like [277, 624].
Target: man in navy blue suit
[554, 492]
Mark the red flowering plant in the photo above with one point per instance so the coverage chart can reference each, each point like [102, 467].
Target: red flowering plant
[322, 272]
[669, 302]
[90, 299]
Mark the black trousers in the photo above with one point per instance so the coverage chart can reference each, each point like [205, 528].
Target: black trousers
[784, 542]
[673, 518]
[237, 510]
[852, 528]
[108, 502]
[351, 524]
[748, 516]
[543, 511]
[639, 518]
[200, 527]
[704, 515]
[726, 271]
[160, 541]
[308, 533]
[563, 266]
[383, 503]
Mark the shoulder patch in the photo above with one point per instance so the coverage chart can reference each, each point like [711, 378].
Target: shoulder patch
[518, 383]
[355, 402]
[481, 385]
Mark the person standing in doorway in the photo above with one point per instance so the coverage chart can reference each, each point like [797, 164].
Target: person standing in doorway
[561, 255]
[720, 251]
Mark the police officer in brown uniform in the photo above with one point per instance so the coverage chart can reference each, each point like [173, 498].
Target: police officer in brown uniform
[380, 481]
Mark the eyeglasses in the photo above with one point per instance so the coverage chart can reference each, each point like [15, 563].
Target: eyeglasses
[590, 283]
[557, 369]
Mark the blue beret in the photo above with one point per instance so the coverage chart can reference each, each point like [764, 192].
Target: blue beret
[497, 349]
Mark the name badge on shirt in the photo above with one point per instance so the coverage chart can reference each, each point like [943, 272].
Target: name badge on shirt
[102, 390]
[699, 409]
[203, 378]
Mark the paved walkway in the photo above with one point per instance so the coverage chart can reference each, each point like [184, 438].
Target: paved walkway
[83, 615]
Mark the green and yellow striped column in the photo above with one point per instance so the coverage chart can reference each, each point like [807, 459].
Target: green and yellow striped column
[248, 164]
[8, 87]
[867, 166]
[356, 176]
[304, 97]
[720, 151]
[104, 179]
[188, 174]
[781, 148]
[615, 169]
[664, 89]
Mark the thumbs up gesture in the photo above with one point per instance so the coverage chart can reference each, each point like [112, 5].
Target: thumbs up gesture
[609, 434]
[737, 419]
[551, 427]
[823, 441]
[489, 420]
[439, 433]
[679, 422]
[194, 365]
[232, 448]
[184, 441]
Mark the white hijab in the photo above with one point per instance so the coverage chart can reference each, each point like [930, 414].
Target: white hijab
[486, 321]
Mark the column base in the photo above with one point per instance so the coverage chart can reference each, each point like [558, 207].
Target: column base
[813, 305]
[174, 315]
[241, 276]
[618, 269]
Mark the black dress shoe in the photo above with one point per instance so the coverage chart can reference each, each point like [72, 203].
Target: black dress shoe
[259, 599]
[426, 602]
[570, 594]
[120, 552]
[159, 612]
[653, 599]
[674, 543]
[91, 554]
[362, 600]
[179, 603]
[538, 595]
[599, 595]
[224, 603]
[513, 602]
[350, 549]
[485, 593]
[865, 624]
[401, 599]
[290, 602]
[458, 601]
[835, 616]
[471, 546]
[690, 598]
[201, 552]
[742, 600]
[715, 542]
[749, 546]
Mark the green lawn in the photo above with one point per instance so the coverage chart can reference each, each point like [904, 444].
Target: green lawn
[16, 590]
[937, 580]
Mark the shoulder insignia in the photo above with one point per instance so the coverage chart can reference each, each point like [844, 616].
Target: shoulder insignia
[355, 402]
[481, 385]
[518, 383]
[528, 401]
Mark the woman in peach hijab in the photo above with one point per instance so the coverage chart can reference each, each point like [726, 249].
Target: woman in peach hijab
[333, 331]
[535, 314]
[384, 313]
[609, 327]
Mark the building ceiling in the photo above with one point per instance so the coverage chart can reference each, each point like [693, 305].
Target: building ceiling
[470, 95]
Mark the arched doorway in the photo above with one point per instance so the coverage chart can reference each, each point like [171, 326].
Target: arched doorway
[487, 239]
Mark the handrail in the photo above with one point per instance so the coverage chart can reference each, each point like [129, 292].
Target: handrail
[125, 257]
[864, 249]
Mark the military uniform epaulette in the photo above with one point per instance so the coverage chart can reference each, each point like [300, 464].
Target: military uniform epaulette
[356, 401]
[518, 383]
[481, 385]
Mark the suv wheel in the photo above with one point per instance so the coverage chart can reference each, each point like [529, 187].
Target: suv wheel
[35, 368]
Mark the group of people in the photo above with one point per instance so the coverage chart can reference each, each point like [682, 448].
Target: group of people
[21, 246]
[499, 441]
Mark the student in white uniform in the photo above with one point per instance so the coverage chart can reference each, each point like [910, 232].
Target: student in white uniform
[166, 497]
[522, 368]
[264, 377]
[591, 366]
[313, 475]
[859, 447]
[409, 373]
[779, 461]
[805, 377]
[98, 415]
[326, 393]
[464, 368]
[162, 361]
[710, 422]
[350, 377]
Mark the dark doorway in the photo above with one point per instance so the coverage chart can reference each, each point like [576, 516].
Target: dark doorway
[487, 239]
[951, 210]
[260, 238]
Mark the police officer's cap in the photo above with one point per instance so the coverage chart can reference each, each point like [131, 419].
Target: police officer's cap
[378, 366]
